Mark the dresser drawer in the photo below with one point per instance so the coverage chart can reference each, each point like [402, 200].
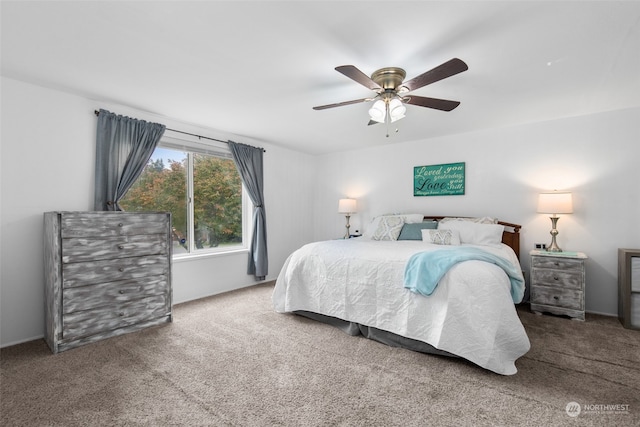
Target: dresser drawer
[97, 224]
[564, 279]
[117, 315]
[565, 264]
[82, 249]
[89, 273]
[93, 296]
[565, 298]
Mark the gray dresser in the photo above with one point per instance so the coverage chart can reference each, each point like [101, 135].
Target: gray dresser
[629, 288]
[106, 274]
[557, 283]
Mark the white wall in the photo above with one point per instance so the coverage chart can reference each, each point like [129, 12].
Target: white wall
[47, 164]
[595, 157]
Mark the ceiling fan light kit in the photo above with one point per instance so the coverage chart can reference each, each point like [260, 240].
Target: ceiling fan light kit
[390, 87]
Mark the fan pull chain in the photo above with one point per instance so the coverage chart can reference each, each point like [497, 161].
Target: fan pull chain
[387, 116]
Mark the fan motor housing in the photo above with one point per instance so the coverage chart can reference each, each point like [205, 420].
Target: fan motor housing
[389, 77]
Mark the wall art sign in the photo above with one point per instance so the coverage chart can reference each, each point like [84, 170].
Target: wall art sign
[439, 180]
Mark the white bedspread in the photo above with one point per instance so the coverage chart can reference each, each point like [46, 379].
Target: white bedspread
[470, 314]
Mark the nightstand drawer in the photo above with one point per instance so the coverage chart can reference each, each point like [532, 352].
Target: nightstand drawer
[565, 298]
[556, 278]
[557, 263]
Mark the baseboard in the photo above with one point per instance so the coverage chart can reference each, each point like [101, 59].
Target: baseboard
[22, 341]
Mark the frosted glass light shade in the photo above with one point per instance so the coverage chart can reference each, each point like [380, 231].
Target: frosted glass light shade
[347, 206]
[396, 109]
[378, 111]
[555, 203]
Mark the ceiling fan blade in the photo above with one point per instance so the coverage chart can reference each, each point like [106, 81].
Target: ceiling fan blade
[358, 76]
[340, 104]
[438, 104]
[448, 69]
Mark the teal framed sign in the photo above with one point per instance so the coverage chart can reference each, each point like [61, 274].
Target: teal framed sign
[439, 180]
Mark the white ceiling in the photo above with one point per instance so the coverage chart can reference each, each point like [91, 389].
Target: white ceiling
[256, 68]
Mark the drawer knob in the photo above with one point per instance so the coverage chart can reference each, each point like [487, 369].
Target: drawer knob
[121, 291]
[120, 224]
[556, 263]
[121, 314]
[556, 298]
[555, 278]
[121, 269]
[120, 247]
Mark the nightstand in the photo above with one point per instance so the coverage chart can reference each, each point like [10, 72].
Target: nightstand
[557, 283]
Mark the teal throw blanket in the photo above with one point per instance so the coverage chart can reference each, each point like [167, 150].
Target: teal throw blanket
[425, 269]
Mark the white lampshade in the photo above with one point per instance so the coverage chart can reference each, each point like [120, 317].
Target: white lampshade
[347, 206]
[555, 203]
[396, 109]
[378, 111]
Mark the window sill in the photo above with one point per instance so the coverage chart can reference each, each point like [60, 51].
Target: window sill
[199, 256]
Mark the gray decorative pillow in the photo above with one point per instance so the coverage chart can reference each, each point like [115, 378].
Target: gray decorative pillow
[441, 237]
[388, 228]
[414, 231]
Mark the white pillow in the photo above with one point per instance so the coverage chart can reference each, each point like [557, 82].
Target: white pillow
[475, 233]
[441, 237]
[480, 220]
[412, 218]
[389, 228]
[406, 218]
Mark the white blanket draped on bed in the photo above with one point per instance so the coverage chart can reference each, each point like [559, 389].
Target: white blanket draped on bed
[470, 314]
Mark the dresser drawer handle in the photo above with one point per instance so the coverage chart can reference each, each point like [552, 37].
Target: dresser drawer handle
[120, 247]
[121, 269]
[121, 314]
[120, 224]
[556, 263]
[121, 291]
[555, 278]
[556, 298]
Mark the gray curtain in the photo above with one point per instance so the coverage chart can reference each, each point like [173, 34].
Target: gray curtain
[248, 160]
[123, 148]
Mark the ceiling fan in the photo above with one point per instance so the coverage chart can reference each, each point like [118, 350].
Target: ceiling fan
[392, 91]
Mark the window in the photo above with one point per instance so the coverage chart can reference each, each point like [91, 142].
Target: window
[200, 185]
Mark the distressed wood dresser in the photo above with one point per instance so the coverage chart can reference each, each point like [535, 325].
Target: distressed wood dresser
[106, 274]
[557, 283]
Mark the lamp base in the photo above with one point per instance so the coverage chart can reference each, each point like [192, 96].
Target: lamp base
[346, 236]
[553, 247]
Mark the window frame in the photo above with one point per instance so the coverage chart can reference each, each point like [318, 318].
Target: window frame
[190, 148]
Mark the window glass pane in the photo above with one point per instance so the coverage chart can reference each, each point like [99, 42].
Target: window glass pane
[217, 202]
[163, 187]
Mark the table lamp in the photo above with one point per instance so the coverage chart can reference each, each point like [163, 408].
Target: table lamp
[555, 203]
[347, 207]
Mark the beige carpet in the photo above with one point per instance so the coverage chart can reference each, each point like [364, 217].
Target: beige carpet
[229, 360]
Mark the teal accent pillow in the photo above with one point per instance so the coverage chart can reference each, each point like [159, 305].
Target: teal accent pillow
[414, 231]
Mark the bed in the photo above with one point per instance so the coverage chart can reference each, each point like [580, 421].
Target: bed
[367, 286]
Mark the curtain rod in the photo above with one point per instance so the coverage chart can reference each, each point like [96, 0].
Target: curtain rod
[191, 134]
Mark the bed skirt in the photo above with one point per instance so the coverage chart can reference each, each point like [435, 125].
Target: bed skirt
[384, 337]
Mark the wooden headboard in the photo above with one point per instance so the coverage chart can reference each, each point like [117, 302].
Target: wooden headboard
[510, 236]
